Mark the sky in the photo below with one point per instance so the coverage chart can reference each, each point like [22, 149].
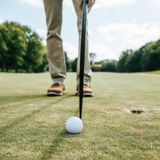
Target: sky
[114, 25]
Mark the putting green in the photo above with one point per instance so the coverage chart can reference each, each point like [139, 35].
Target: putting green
[32, 125]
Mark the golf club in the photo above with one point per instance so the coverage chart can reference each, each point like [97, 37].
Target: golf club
[82, 55]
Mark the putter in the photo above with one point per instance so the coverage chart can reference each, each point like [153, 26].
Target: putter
[82, 55]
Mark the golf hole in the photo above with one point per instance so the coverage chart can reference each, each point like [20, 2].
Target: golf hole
[137, 111]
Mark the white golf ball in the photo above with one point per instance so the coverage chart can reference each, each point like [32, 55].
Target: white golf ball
[74, 125]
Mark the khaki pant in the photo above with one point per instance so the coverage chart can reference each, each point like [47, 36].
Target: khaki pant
[56, 59]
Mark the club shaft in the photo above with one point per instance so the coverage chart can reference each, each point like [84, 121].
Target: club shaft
[82, 56]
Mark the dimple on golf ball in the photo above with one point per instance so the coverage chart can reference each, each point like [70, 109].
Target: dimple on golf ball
[74, 125]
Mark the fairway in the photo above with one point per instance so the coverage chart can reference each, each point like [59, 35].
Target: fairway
[32, 125]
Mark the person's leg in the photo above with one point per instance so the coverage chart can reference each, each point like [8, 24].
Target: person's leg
[56, 59]
[87, 67]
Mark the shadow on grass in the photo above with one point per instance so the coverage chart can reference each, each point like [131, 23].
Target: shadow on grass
[31, 114]
[60, 138]
[6, 102]
[18, 99]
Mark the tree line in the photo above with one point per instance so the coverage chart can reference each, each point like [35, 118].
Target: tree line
[146, 58]
[22, 50]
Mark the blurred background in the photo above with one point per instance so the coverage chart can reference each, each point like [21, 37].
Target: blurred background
[123, 36]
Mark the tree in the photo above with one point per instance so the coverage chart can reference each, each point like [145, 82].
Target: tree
[92, 57]
[151, 56]
[68, 64]
[20, 48]
[109, 66]
[122, 60]
[74, 65]
[3, 47]
[16, 45]
[96, 67]
[34, 53]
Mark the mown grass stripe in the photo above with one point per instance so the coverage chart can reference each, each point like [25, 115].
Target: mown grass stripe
[22, 101]
[53, 147]
[110, 132]
[5, 115]
[22, 119]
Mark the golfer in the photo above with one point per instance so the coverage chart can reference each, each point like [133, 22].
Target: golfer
[55, 52]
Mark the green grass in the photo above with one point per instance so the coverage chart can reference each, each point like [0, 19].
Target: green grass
[32, 126]
[155, 72]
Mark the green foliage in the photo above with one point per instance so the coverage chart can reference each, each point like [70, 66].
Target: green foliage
[96, 67]
[133, 62]
[92, 57]
[16, 45]
[109, 66]
[74, 65]
[68, 62]
[151, 56]
[3, 47]
[122, 61]
[20, 49]
[147, 58]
